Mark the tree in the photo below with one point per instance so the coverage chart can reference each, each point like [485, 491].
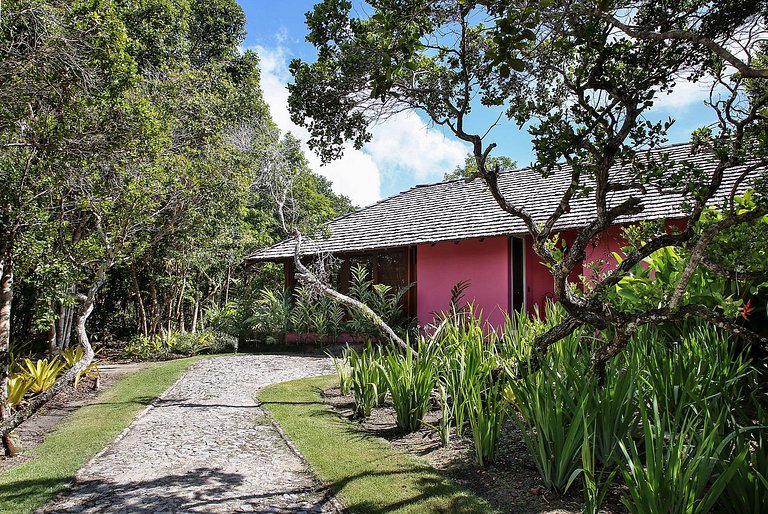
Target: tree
[583, 77]
[65, 110]
[469, 169]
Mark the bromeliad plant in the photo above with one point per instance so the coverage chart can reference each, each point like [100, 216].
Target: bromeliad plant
[72, 355]
[41, 373]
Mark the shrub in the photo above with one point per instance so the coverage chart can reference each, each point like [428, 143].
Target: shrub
[271, 315]
[41, 373]
[144, 348]
[411, 381]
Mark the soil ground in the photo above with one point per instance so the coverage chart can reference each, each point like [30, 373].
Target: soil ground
[512, 484]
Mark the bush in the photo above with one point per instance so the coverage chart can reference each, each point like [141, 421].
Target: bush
[165, 345]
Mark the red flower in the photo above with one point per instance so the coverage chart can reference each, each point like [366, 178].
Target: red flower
[746, 309]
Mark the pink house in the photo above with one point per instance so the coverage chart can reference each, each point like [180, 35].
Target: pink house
[439, 234]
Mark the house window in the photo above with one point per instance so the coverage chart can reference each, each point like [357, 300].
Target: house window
[393, 269]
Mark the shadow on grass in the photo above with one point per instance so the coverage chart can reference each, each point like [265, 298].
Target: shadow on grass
[384, 480]
[201, 489]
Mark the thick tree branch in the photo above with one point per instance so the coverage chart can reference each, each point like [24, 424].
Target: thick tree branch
[305, 275]
[686, 35]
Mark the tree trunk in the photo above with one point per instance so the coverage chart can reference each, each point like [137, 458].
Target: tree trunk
[180, 305]
[226, 285]
[139, 303]
[155, 309]
[6, 298]
[195, 312]
[53, 346]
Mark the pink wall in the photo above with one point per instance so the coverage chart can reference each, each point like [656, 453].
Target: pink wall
[539, 285]
[601, 248]
[485, 264]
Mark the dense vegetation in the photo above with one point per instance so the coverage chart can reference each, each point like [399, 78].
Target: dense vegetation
[583, 79]
[681, 419]
[138, 168]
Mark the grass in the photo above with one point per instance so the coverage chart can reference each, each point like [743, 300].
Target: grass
[81, 435]
[368, 474]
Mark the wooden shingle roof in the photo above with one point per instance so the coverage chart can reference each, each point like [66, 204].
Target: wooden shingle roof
[454, 210]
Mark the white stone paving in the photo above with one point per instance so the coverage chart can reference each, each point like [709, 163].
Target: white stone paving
[205, 446]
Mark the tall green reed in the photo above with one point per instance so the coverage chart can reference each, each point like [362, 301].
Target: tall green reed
[368, 383]
[411, 380]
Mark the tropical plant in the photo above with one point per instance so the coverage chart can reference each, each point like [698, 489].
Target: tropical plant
[343, 371]
[553, 404]
[411, 380]
[143, 348]
[73, 355]
[18, 387]
[272, 316]
[747, 490]
[683, 465]
[463, 361]
[303, 311]
[41, 373]
[369, 384]
[487, 413]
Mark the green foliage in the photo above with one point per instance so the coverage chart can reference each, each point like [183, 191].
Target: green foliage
[380, 298]
[411, 381]
[144, 348]
[469, 168]
[747, 490]
[676, 469]
[271, 316]
[72, 355]
[41, 374]
[174, 343]
[343, 371]
[18, 387]
[553, 405]
[368, 381]
[487, 411]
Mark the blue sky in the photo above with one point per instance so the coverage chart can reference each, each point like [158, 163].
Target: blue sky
[405, 151]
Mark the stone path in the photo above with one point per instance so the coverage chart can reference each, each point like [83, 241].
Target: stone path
[205, 446]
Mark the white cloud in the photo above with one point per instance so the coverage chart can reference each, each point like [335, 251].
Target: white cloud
[355, 174]
[406, 145]
[403, 145]
[685, 94]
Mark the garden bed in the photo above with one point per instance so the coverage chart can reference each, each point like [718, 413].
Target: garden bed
[511, 485]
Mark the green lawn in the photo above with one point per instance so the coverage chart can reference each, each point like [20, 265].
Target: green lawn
[80, 436]
[368, 474]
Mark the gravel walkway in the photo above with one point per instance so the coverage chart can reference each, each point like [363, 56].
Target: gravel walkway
[205, 446]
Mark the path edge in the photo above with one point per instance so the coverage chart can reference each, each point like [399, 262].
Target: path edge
[332, 497]
[135, 420]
